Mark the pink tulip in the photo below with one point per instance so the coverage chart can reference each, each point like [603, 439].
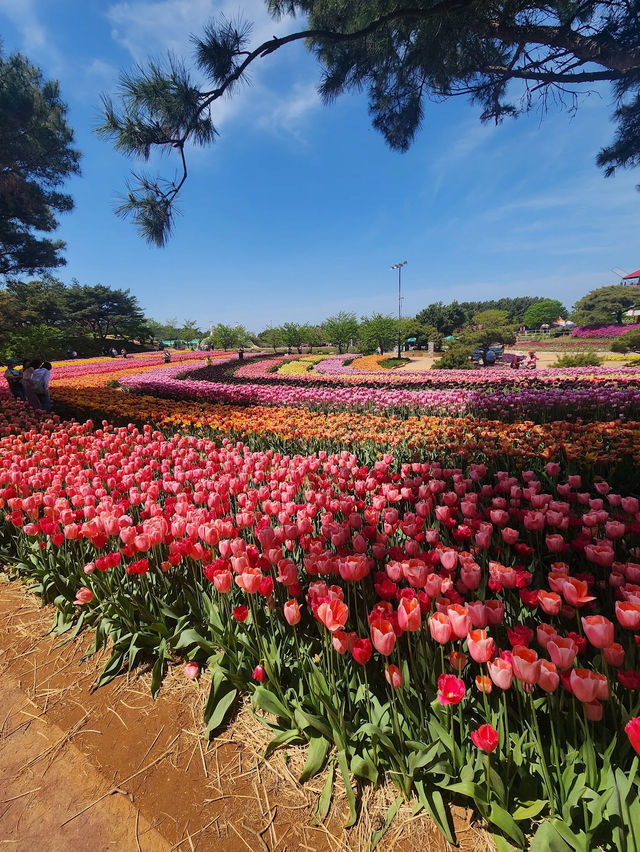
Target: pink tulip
[440, 628]
[83, 596]
[409, 614]
[501, 672]
[598, 630]
[548, 677]
[383, 636]
[562, 651]
[481, 646]
[393, 676]
[191, 670]
[292, 612]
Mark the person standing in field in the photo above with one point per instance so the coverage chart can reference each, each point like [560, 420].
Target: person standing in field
[41, 379]
[27, 381]
[13, 375]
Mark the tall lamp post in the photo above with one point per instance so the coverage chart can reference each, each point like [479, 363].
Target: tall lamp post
[399, 266]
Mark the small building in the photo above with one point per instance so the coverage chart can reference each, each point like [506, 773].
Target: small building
[633, 279]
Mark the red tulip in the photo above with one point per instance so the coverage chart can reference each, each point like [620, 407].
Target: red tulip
[451, 690]
[240, 613]
[259, 673]
[632, 729]
[485, 738]
[361, 651]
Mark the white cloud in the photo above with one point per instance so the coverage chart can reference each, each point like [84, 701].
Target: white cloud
[37, 45]
[151, 28]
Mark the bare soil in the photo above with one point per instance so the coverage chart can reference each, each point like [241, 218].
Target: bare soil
[112, 769]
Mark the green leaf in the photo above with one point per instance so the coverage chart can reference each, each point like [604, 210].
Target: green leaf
[112, 668]
[547, 839]
[432, 801]
[324, 800]
[529, 811]
[502, 845]
[377, 836]
[505, 822]
[351, 799]
[218, 714]
[318, 750]
[579, 841]
[286, 736]
[270, 703]
[363, 767]
[158, 670]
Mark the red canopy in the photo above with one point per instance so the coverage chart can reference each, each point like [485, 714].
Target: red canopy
[635, 274]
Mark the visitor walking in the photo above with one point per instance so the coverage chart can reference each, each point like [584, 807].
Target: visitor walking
[13, 375]
[41, 379]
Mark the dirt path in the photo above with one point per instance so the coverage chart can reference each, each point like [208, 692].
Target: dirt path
[114, 770]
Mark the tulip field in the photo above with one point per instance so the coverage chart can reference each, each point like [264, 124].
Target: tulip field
[431, 578]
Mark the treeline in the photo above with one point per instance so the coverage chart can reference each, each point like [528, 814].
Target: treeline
[48, 318]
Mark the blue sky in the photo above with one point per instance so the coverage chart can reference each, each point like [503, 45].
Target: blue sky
[299, 209]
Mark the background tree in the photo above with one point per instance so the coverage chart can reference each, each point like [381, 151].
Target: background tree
[191, 331]
[104, 312]
[340, 329]
[271, 337]
[544, 313]
[36, 158]
[37, 302]
[379, 331]
[606, 304]
[492, 318]
[227, 336]
[445, 318]
[293, 335]
[507, 55]
[169, 330]
[313, 336]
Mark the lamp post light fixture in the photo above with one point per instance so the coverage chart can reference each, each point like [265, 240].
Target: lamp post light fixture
[399, 266]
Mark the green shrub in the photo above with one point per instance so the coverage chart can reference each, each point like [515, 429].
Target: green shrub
[583, 359]
[455, 358]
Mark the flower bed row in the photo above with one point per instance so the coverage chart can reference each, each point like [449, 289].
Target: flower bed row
[541, 403]
[406, 619]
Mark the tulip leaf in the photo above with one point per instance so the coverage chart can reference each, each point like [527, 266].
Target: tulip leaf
[318, 750]
[223, 704]
[267, 701]
[363, 767]
[112, 668]
[529, 811]
[157, 671]
[392, 810]
[547, 839]
[433, 803]
[351, 799]
[505, 822]
[324, 799]
[287, 735]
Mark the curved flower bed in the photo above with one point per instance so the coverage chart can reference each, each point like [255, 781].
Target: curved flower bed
[407, 620]
[604, 403]
[332, 371]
